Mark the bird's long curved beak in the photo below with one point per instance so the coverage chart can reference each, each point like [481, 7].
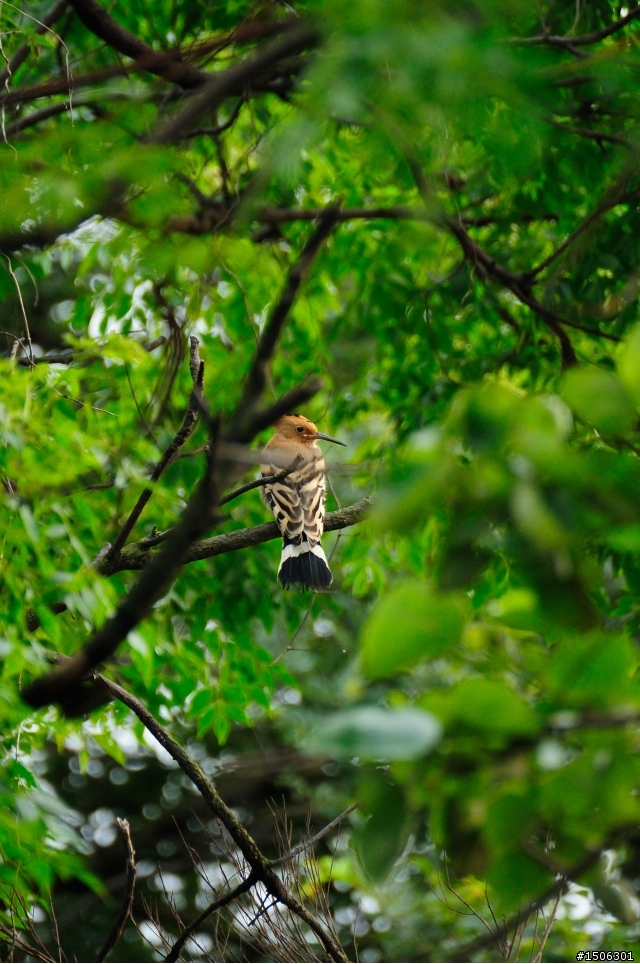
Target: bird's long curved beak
[327, 438]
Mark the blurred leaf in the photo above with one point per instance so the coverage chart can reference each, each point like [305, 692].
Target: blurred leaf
[600, 399]
[410, 623]
[382, 834]
[374, 733]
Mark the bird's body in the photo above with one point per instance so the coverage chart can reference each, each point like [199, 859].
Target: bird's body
[297, 501]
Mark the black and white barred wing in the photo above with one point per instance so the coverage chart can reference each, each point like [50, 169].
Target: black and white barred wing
[297, 503]
[284, 501]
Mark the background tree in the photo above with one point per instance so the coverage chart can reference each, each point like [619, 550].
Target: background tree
[420, 225]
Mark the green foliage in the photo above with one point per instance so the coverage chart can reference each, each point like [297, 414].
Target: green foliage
[472, 678]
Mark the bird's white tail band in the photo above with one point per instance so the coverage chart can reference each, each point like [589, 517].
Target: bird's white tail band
[305, 566]
[292, 551]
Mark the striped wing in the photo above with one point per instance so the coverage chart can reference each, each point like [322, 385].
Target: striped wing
[311, 492]
[297, 501]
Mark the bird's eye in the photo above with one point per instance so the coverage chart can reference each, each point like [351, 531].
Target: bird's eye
[300, 429]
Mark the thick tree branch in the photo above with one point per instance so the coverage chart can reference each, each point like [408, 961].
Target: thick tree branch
[127, 901]
[235, 80]
[96, 19]
[137, 555]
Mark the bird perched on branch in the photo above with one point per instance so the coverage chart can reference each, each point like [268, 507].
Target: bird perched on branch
[297, 501]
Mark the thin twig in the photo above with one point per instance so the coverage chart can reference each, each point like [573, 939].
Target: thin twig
[221, 902]
[309, 843]
[258, 483]
[24, 49]
[127, 901]
[500, 931]
[582, 41]
[181, 436]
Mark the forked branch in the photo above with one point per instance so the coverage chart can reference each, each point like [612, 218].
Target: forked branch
[261, 867]
[127, 901]
[222, 469]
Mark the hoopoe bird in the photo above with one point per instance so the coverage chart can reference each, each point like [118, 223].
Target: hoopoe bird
[297, 501]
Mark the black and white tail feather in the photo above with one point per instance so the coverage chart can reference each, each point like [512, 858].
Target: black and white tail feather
[304, 565]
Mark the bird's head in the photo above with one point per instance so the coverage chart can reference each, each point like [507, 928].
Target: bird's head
[297, 428]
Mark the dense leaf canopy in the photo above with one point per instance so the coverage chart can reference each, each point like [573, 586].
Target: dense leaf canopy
[419, 223]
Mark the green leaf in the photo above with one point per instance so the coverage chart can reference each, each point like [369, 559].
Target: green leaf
[410, 623]
[380, 837]
[375, 733]
[484, 704]
[629, 365]
[593, 670]
[516, 877]
[599, 398]
[620, 898]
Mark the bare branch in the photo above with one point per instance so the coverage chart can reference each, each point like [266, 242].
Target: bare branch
[30, 120]
[69, 356]
[245, 423]
[501, 931]
[258, 483]
[584, 40]
[13, 936]
[261, 866]
[127, 901]
[309, 843]
[218, 904]
[599, 136]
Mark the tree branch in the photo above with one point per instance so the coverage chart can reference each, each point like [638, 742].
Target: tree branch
[218, 904]
[307, 844]
[127, 901]
[598, 136]
[137, 555]
[499, 932]
[96, 19]
[258, 483]
[245, 422]
[234, 80]
[261, 866]
[584, 40]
